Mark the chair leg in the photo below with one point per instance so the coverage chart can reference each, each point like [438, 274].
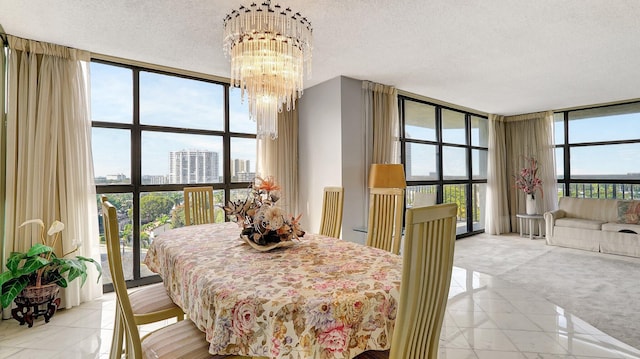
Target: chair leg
[118, 334]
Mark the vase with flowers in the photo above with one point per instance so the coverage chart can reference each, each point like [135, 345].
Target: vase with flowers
[33, 277]
[527, 180]
[264, 224]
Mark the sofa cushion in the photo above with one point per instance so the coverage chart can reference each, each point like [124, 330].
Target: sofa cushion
[579, 223]
[621, 227]
[590, 208]
[629, 212]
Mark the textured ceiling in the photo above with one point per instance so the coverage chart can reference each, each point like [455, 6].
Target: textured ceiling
[495, 56]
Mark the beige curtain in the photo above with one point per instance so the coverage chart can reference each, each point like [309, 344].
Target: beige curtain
[498, 180]
[381, 116]
[48, 160]
[3, 148]
[511, 140]
[279, 158]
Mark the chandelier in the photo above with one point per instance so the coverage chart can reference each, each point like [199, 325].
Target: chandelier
[268, 47]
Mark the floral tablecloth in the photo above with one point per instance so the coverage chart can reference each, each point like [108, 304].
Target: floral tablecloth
[321, 298]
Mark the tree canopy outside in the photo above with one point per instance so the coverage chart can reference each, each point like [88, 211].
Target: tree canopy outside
[153, 206]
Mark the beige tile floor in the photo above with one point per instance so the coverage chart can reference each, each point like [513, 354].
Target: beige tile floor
[486, 319]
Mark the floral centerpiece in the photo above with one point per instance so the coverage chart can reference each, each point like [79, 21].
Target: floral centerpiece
[527, 179]
[261, 220]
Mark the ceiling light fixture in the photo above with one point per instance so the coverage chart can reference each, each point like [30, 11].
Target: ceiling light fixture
[269, 48]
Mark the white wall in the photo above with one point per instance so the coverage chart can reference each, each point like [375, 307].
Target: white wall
[331, 153]
[319, 149]
[354, 171]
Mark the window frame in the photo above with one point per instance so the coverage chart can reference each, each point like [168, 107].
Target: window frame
[440, 182]
[136, 129]
[567, 182]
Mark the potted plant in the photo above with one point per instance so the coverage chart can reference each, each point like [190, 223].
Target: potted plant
[41, 270]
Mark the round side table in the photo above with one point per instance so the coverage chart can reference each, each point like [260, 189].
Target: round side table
[530, 220]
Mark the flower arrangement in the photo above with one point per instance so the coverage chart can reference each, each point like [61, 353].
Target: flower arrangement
[260, 219]
[527, 180]
[40, 265]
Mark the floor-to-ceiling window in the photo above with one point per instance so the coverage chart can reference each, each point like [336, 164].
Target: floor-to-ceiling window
[597, 151]
[444, 151]
[155, 133]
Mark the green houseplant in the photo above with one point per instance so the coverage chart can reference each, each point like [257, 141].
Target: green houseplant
[40, 265]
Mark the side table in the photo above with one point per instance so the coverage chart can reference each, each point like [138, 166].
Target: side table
[530, 220]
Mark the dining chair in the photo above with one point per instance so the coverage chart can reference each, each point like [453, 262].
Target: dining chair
[178, 340]
[332, 204]
[198, 205]
[384, 229]
[149, 303]
[424, 287]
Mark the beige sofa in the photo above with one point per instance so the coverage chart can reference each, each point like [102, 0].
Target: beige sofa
[600, 225]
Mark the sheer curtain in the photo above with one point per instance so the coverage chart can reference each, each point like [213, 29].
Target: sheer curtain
[48, 159]
[279, 158]
[498, 180]
[3, 149]
[511, 140]
[381, 117]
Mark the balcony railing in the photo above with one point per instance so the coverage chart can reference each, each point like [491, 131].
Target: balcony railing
[625, 191]
[457, 193]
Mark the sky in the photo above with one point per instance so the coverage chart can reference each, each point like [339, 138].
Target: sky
[184, 103]
[606, 159]
[423, 157]
[164, 101]
[619, 159]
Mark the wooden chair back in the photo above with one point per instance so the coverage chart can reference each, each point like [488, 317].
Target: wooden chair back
[426, 276]
[332, 204]
[179, 340]
[384, 229]
[198, 205]
[112, 234]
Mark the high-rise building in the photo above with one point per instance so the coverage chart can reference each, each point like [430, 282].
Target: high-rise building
[116, 177]
[193, 166]
[154, 179]
[245, 176]
[241, 170]
[239, 166]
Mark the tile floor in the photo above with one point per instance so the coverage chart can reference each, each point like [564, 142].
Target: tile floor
[486, 319]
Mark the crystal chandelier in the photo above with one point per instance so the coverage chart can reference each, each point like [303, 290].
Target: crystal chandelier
[268, 47]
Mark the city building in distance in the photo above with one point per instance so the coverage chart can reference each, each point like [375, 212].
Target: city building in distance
[193, 166]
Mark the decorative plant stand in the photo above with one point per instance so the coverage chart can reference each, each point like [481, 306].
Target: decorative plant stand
[35, 301]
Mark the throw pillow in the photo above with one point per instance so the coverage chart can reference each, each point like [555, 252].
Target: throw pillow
[629, 212]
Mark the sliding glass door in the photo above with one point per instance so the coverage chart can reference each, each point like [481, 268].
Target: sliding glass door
[444, 151]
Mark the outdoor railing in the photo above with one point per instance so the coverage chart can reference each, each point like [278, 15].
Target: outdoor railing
[453, 193]
[602, 190]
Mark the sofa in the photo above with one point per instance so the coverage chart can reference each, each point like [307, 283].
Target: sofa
[599, 225]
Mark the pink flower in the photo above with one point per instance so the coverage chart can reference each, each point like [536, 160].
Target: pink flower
[334, 339]
[527, 180]
[275, 347]
[324, 285]
[243, 317]
[380, 276]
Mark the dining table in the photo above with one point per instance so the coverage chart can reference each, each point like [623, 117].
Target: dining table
[320, 297]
